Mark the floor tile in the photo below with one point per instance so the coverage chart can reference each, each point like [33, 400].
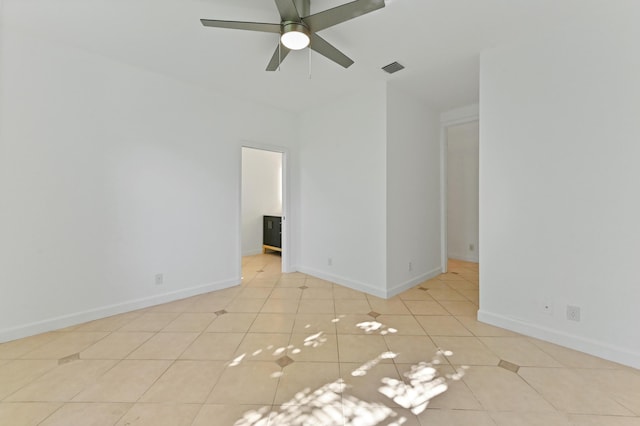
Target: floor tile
[213, 346]
[25, 413]
[318, 306]
[568, 392]
[352, 306]
[520, 351]
[232, 387]
[318, 293]
[313, 323]
[395, 306]
[425, 307]
[150, 321]
[164, 346]
[500, 390]
[466, 350]
[481, 329]
[298, 350]
[146, 414]
[185, 382]
[63, 382]
[620, 385]
[292, 293]
[116, 345]
[530, 419]
[66, 344]
[582, 420]
[364, 382]
[301, 375]
[359, 348]
[460, 307]
[341, 293]
[263, 346]
[436, 325]
[87, 414]
[273, 323]
[284, 306]
[228, 414]
[443, 417]
[191, 321]
[401, 325]
[245, 305]
[232, 322]
[16, 348]
[126, 382]
[411, 349]
[318, 346]
[16, 374]
[574, 359]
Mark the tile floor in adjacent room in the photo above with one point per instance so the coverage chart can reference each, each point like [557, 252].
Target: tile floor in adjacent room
[290, 349]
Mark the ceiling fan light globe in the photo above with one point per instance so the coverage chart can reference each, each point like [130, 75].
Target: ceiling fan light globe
[295, 35]
[295, 40]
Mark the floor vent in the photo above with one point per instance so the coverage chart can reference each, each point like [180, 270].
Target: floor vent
[393, 67]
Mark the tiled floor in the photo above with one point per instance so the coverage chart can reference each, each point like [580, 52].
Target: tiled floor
[288, 349]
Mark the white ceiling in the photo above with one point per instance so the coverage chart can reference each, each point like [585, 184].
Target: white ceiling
[438, 41]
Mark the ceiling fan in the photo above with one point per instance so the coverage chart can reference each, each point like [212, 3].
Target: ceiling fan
[298, 29]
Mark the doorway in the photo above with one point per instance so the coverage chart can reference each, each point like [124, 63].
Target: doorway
[262, 196]
[463, 191]
[462, 123]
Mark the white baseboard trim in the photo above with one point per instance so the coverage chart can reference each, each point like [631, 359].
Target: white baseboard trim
[68, 320]
[352, 284]
[474, 259]
[413, 282]
[589, 346]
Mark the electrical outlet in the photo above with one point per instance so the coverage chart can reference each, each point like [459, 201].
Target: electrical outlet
[547, 307]
[573, 313]
[329, 261]
[159, 279]
[410, 266]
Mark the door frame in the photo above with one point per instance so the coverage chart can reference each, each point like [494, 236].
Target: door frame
[448, 119]
[286, 238]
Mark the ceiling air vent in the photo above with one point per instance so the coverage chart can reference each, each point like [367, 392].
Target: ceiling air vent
[393, 67]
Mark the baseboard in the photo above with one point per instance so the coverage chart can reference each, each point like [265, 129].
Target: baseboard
[589, 346]
[474, 259]
[413, 282]
[56, 323]
[352, 284]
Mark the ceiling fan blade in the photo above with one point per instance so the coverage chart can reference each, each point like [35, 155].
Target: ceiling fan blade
[278, 56]
[321, 46]
[287, 9]
[238, 25]
[339, 14]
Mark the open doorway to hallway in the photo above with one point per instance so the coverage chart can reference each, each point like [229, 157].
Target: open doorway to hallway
[463, 191]
[262, 204]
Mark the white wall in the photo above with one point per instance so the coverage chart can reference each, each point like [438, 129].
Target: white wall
[343, 190]
[462, 191]
[108, 175]
[261, 194]
[413, 192]
[559, 176]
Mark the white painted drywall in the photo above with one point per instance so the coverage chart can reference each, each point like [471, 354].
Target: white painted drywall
[462, 191]
[559, 182]
[343, 190]
[413, 192]
[110, 174]
[261, 194]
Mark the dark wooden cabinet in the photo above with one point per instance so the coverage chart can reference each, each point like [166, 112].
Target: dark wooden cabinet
[272, 233]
